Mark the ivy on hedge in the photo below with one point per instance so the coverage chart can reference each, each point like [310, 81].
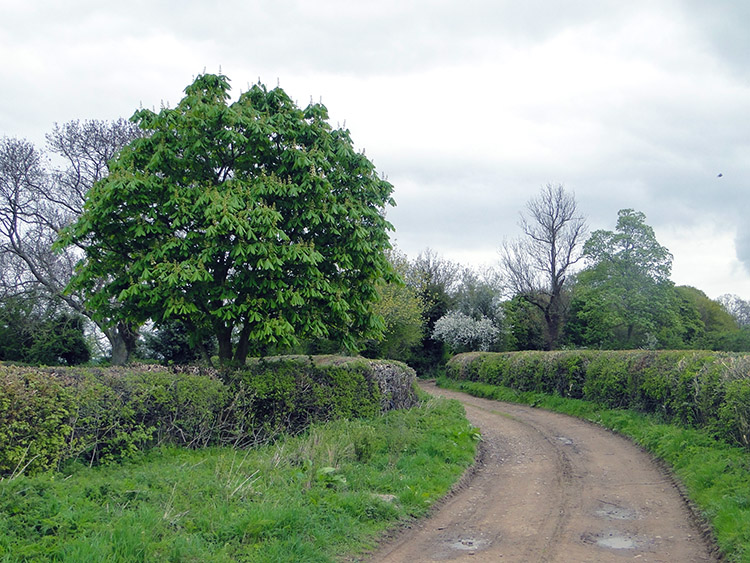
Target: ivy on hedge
[693, 388]
[108, 415]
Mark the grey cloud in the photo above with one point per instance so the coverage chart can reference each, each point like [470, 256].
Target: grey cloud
[631, 118]
[723, 25]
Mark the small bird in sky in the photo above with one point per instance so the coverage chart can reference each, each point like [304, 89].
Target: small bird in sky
[719, 175]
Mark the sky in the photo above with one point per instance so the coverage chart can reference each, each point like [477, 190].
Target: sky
[468, 107]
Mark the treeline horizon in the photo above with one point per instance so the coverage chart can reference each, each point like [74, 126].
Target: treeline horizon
[217, 231]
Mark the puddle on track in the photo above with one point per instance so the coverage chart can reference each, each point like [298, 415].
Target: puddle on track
[617, 542]
[469, 544]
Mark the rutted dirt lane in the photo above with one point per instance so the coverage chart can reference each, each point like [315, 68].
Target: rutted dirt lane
[549, 487]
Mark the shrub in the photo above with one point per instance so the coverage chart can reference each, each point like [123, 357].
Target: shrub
[286, 394]
[289, 394]
[734, 412]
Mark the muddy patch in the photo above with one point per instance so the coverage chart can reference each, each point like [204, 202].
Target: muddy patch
[616, 540]
[469, 544]
[612, 511]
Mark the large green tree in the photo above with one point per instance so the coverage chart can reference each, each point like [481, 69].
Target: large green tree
[624, 298]
[255, 221]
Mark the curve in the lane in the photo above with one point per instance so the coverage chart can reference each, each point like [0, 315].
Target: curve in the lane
[552, 488]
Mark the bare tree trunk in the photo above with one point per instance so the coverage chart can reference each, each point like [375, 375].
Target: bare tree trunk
[120, 352]
[554, 326]
[122, 338]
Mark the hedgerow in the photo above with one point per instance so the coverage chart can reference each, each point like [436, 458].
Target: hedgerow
[104, 415]
[694, 388]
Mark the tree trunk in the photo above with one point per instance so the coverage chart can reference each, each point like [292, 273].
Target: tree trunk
[120, 352]
[224, 337]
[204, 354]
[553, 330]
[122, 338]
[243, 346]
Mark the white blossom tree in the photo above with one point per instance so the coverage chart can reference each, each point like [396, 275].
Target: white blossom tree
[463, 333]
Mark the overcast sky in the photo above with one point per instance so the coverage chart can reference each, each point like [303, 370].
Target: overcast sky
[468, 107]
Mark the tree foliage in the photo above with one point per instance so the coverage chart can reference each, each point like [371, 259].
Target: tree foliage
[479, 294]
[476, 320]
[631, 251]
[537, 265]
[731, 334]
[436, 280]
[402, 309]
[525, 325]
[34, 330]
[713, 315]
[624, 298]
[253, 220]
[171, 342]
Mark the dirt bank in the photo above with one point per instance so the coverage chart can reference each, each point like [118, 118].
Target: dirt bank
[549, 487]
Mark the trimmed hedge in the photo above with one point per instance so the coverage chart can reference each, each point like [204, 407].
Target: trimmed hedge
[693, 388]
[48, 415]
[287, 393]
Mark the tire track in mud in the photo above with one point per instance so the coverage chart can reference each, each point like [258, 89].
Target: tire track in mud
[552, 488]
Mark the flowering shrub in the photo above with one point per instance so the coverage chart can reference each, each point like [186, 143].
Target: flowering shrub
[463, 333]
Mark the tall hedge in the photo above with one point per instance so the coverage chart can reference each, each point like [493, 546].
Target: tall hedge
[48, 415]
[694, 388]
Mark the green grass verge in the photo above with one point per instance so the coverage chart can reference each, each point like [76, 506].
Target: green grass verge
[716, 476]
[316, 497]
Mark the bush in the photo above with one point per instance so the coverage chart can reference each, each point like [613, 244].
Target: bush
[287, 395]
[48, 415]
[39, 335]
[693, 388]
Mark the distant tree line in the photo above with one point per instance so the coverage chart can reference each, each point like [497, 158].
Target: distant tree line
[620, 297]
[254, 228]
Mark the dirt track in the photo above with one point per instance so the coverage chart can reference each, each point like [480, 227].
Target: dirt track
[549, 487]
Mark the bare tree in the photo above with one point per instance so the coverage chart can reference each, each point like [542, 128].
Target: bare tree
[38, 199]
[429, 268]
[536, 266]
[737, 307]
